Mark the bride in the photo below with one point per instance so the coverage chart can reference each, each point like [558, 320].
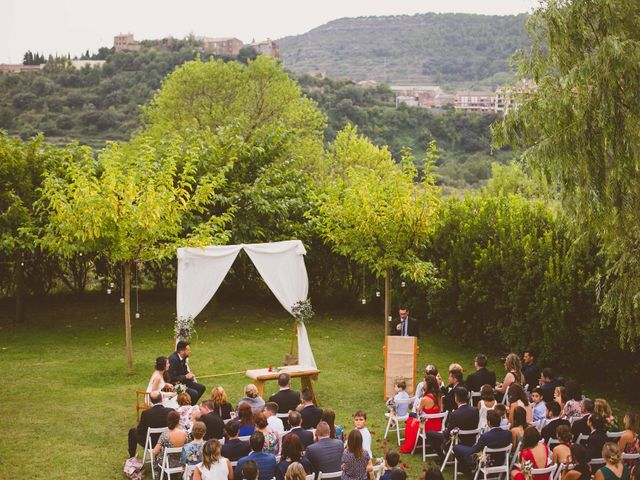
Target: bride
[157, 383]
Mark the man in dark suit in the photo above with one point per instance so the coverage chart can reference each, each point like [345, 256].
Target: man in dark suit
[266, 462]
[530, 369]
[305, 436]
[496, 437]
[548, 384]
[553, 421]
[311, 415]
[581, 426]
[464, 417]
[405, 326]
[597, 437]
[482, 376]
[154, 417]
[179, 371]
[449, 402]
[286, 398]
[325, 454]
[234, 448]
[215, 425]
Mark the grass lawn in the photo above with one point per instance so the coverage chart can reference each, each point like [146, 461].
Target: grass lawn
[67, 402]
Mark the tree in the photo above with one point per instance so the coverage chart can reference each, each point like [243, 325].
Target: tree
[136, 203]
[374, 212]
[579, 125]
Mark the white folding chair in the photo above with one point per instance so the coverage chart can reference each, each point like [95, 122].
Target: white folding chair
[393, 420]
[475, 432]
[582, 438]
[505, 398]
[551, 470]
[285, 420]
[188, 472]
[244, 438]
[614, 435]
[552, 443]
[562, 467]
[148, 448]
[422, 434]
[514, 458]
[473, 395]
[234, 464]
[323, 476]
[631, 456]
[596, 462]
[377, 471]
[311, 476]
[164, 466]
[497, 469]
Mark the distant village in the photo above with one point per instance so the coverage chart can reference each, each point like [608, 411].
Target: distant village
[424, 96]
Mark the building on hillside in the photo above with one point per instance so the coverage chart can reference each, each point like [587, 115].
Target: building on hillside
[125, 42]
[18, 67]
[477, 101]
[368, 83]
[79, 64]
[266, 47]
[229, 46]
[425, 96]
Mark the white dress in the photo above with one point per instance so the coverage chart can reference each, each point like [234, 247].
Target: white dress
[482, 423]
[169, 399]
[218, 470]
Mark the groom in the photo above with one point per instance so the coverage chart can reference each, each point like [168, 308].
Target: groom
[179, 371]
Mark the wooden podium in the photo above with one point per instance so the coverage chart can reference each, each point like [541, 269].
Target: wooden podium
[400, 362]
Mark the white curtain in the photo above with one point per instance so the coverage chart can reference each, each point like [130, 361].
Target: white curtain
[281, 265]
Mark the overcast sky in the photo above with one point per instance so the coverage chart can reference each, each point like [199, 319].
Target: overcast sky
[72, 26]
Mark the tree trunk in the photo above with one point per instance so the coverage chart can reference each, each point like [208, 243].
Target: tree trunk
[387, 302]
[127, 316]
[18, 273]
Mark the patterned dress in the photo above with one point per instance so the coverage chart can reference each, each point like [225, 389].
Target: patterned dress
[192, 453]
[174, 458]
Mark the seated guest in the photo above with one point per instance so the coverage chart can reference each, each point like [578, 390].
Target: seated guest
[245, 420]
[295, 472]
[249, 471]
[530, 369]
[214, 466]
[580, 426]
[539, 407]
[597, 437]
[329, 416]
[397, 474]
[449, 400]
[562, 451]
[629, 442]
[292, 450]
[275, 424]
[518, 426]
[192, 451]
[572, 407]
[502, 410]
[482, 376]
[578, 469]
[325, 454]
[221, 405]
[513, 366]
[270, 438]
[614, 468]
[310, 414]
[560, 396]
[518, 398]
[252, 399]
[175, 437]
[429, 404]
[553, 421]
[391, 461]
[179, 371]
[548, 383]
[464, 417]
[266, 462]
[286, 398]
[186, 410]
[428, 370]
[295, 420]
[154, 417]
[533, 451]
[400, 395]
[234, 448]
[495, 437]
[487, 402]
[215, 425]
[360, 422]
[602, 407]
[356, 462]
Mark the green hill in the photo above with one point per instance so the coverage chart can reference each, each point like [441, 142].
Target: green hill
[445, 49]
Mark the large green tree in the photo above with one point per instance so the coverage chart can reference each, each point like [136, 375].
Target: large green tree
[137, 202]
[580, 124]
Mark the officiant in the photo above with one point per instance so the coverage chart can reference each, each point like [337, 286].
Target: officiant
[179, 371]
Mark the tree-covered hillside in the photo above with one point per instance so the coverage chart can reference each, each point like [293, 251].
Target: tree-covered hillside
[446, 49]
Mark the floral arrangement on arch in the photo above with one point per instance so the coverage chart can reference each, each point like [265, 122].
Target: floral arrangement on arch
[302, 310]
[184, 328]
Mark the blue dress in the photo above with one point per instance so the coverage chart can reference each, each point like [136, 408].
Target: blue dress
[192, 453]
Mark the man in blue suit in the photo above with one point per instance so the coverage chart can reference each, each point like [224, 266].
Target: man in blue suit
[265, 461]
[496, 437]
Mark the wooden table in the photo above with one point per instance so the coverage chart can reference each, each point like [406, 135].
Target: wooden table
[307, 376]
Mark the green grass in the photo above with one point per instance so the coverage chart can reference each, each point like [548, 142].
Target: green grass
[67, 402]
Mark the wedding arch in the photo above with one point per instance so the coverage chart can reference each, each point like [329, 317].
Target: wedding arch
[280, 264]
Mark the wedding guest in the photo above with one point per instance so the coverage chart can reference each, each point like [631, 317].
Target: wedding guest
[548, 384]
[502, 410]
[295, 420]
[539, 407]
[179, 371]
[572, 408]
[578, 468]
[192, 451]
[602, 407]
[360, 422]
[455, 381]
[562, 451]
[221, 405]
[486, 403]
[173, 438]
[482, 375]
[252, 399]
[310, 414]
[518, 425]
[292, 450]
[245, 419]
[629, 442]
[325, 454]
[356, 461]
[266, 462]
[597, 437]
[329, 416]
[295, 472]
[429, 404]
[286, 398]
[275, 424]
[518, 398]
[186, 410]
[154, 417]
[533, 451]
[391, 461]
[530, 369]
[270, 438]
[234, 448]
[215, 425]
[214, 466]
[400, 395]
[553, 421]
[513, 366]
[560, 396]
[249, 471]
[614, 468]
[580, 426]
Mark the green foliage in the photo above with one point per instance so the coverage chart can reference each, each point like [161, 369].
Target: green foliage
[579, 126]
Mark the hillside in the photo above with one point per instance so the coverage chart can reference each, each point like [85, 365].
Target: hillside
[462, 50]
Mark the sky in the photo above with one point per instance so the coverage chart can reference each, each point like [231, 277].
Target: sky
[73, 26]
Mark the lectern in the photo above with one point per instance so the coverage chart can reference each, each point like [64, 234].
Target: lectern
[400, 362]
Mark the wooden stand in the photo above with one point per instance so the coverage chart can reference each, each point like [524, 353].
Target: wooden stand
[400, 361]
[307, 376]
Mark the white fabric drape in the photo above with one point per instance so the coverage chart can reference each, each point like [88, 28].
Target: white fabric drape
[281, 265]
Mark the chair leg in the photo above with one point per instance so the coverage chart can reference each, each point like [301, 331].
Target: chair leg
[446, 458]
[415, 444]
[455, 467]
[398, 431]
[386, 432]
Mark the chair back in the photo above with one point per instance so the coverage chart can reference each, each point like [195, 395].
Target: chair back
[244, 438]
[552, 443]
[322, 475]
[516, 452]
[582, 438]
[311, 476]
[546, 470]
[285, 418]
[430, 416]
[615, 435]
[631, 456]
[473, 395]
[234, 464]
[476, 432]
[188, 472]
[506, 451]
[505, 398]
[597, 462]
[142, 402]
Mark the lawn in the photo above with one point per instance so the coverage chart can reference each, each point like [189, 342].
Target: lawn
[67, 402]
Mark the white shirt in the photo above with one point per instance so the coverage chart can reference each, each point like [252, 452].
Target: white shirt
[366, 441]
[275, 424]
